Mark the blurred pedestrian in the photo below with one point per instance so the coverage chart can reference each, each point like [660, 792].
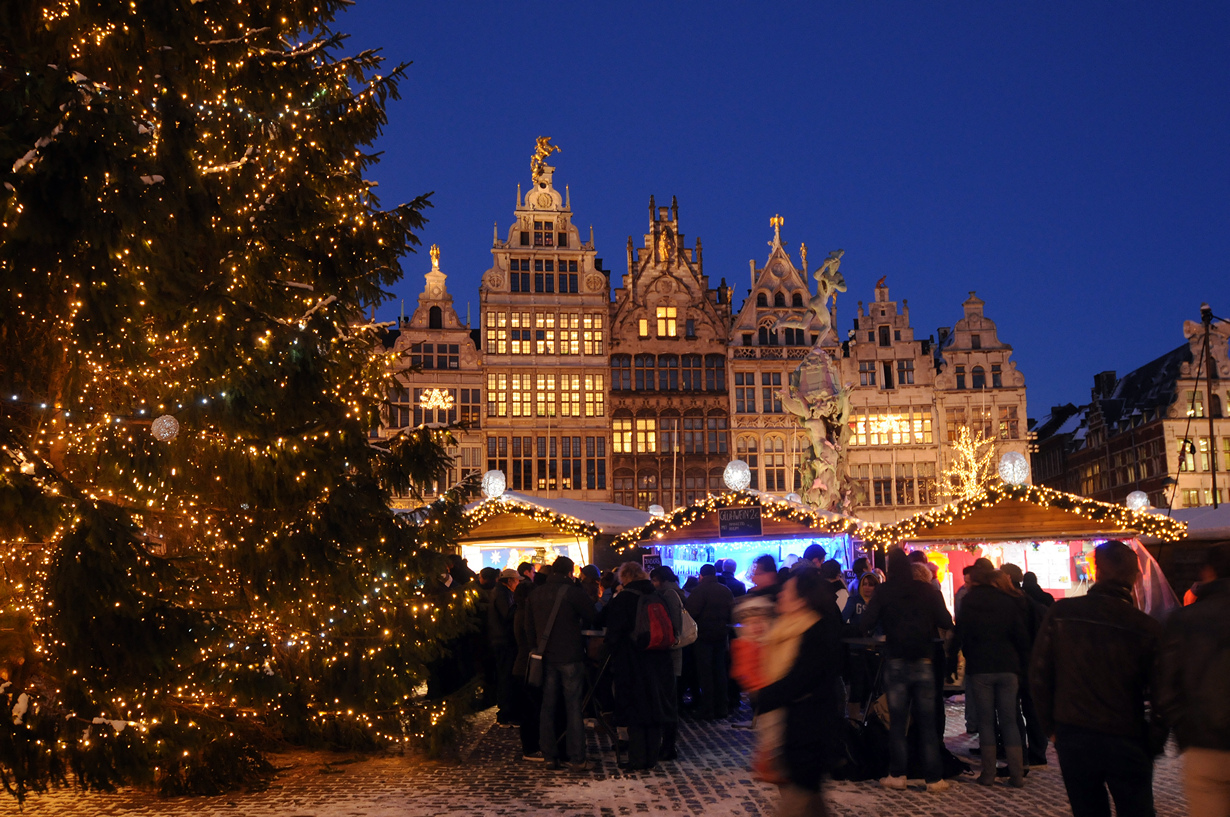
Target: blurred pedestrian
[710, 606]
[501, 614]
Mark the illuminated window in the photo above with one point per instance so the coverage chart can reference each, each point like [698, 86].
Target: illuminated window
[522, 393]
[570, 398]
[570, 334]
[521, 333]
[954, 418]
[621, 436]
[646, 490]
[1193, 404]
[666, 322]
[642, 328]
[592, 326]
[928, 489]
[497, 395]
[905, 483]
[547, 469]
[646, 436]
[594, 396]
[858, 421]
[545, 402]
[1009, 425]
[497, 333]
[921, 421]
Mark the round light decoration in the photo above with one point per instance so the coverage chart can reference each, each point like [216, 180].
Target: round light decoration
[1013, 468]
[737, 475]
[494, 484]
[165, 428]
[794, 498]
[1138, 501]
[657, 510]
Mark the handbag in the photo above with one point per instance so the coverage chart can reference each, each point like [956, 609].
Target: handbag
[688, 632]
[534, 667]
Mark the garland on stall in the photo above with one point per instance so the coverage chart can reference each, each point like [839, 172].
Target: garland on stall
[491, 508]
[1116, 517]
[770, 506]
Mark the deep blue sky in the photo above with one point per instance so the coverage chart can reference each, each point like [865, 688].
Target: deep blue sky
[1069, 161]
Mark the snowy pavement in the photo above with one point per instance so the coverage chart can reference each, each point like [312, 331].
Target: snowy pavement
[711, 778]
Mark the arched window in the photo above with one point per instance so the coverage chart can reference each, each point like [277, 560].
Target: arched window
[796, 299]
[748, 450]
[779, 299]
[668, 372]
[775, 463]
[718, 436]
[694, 433]
[762, 299]
[625, 488]
[644, 372]
[646, 489]
[435, 318]
[767, 334]
[693, 487]
[621, 372]
[669, 426]
[980, 377]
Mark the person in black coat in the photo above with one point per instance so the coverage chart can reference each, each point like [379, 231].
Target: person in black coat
[808, 694]
[644, 679]
[711, 605]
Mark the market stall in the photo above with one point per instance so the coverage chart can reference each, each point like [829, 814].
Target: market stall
[1047, 532]
[741, 525]
[1181, 560]
[508, 527]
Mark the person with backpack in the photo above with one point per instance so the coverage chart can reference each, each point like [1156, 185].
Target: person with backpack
[640, 636]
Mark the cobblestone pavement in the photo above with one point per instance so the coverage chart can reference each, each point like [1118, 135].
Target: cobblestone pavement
[711, 778]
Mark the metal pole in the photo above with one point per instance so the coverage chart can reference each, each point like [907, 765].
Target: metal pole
[1206, 317]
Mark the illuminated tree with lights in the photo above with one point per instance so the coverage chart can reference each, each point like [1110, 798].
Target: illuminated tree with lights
[186, 232]
[971, 467]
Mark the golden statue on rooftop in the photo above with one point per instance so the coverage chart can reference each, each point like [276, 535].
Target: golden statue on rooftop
[542, 149]
[435, 257]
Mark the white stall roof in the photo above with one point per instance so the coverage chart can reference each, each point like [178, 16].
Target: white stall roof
[606, 516]
[1203, 524]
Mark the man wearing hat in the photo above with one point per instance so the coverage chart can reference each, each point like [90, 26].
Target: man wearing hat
[503, 641]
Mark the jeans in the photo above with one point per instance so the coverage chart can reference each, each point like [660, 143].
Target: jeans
[569, 679]
[994, 696]
[1092, 762]
[911, 688]
[711, 676]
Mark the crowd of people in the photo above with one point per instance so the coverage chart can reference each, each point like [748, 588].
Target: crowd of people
[1097, 676]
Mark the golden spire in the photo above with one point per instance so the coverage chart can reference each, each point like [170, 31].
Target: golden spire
[777, 222]
[435, 257]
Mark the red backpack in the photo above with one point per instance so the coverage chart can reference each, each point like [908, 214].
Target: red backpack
[653, 630]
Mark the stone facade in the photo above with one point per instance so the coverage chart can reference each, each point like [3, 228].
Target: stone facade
[545, 303]
[668, 392]
[436, 351]
[1148, 430]
[772, 333]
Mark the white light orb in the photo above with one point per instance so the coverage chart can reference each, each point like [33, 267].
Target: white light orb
[737, 475]
[657, 510]
[494, 484]
[1138, 501]
[165, 428]
[794, 498]
[1013, 468]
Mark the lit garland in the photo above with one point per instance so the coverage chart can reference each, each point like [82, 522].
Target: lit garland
[1116, 518]
[489, 509]
[771, 507]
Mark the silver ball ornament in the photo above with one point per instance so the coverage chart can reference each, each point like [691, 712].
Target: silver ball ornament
[494, 484]
[737, 475]
[1013, 468]
[1138, 501]
[165, 428]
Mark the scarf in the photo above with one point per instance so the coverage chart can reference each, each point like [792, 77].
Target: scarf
[782, 643]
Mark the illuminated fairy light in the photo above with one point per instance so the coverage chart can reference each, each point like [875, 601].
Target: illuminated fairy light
[436, 399]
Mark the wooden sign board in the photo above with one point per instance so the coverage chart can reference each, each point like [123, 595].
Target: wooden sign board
[739, 522]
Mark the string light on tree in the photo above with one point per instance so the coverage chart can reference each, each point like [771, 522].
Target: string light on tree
[970, 469]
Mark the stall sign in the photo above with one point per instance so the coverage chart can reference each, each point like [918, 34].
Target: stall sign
[739, 522]
[651, 560]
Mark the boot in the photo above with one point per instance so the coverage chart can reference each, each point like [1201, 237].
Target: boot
[1016, 766]
[987, 776]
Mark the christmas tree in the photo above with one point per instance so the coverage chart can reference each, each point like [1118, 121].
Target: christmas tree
[195, 538]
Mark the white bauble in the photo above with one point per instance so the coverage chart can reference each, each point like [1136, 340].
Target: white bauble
[1013, 468]
[1138, 501]
[494, 484]
[737, 475]
[657, 510]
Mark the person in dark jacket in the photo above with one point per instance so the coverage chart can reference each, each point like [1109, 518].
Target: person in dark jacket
[1093, 669]
[529, 698]
[711, 604]
[644, 679]
[991, 632]
[501, 613]
[1194, 693]
[1033, 735]
[808, 689]
[764, 577]
[912, 613]
[563, 658]
[1029, 584]
[858, 601]
[736, 587]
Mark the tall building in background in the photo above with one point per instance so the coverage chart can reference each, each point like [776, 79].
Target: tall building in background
[772, 333]
[439, 378]
[894, 457]
[1148, 430]
[544, 310]
[669, 403]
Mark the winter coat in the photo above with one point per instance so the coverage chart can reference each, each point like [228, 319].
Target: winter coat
[521, 603]
[736, 587]
[808, 694]
[991, 632]
[710, 605]
[853, 611]
[1194, 693]
[501, 612]
[644, 680]
[912, 613]
[565, 644]
[674, 603]
[1095, 663]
